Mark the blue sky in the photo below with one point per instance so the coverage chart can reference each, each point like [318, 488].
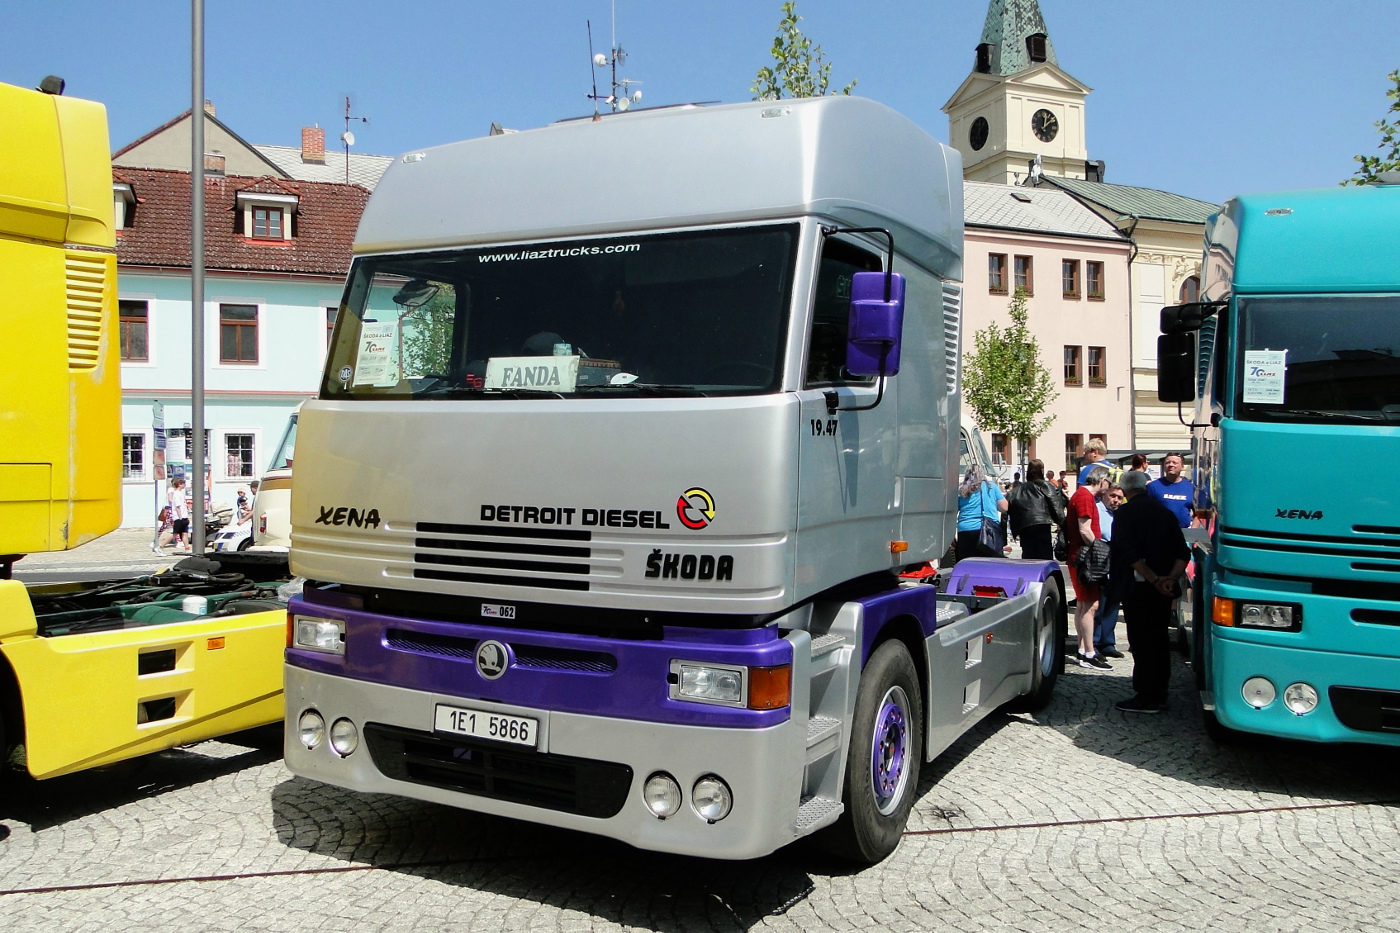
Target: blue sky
[1207, 98]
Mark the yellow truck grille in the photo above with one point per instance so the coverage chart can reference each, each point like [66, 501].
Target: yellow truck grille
[87, 287]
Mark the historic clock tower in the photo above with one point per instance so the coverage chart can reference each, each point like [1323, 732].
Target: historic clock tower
[1018, 104]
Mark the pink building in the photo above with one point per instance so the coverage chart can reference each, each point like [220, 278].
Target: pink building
[1074, 264]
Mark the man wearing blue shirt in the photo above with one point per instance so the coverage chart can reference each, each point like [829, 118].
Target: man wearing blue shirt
[1173, 491]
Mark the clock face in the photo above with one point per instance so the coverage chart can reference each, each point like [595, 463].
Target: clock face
[1045, 126]
[977, 136]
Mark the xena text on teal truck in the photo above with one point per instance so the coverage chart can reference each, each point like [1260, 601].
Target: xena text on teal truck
[1293, 360]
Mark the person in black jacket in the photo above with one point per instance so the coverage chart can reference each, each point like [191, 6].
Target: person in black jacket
[1147, 558]
[1036, 507]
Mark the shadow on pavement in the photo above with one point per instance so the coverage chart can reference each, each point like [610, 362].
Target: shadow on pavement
[1175, 743]
[46, 804]
[556, 867]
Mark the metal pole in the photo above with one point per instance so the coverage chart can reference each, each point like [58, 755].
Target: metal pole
[197, 452]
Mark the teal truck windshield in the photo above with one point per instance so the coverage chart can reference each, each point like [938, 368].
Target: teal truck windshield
[1323, 359]
[698, 313]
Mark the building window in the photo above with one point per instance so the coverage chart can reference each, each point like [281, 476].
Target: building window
[1100, 437]
[1035, 46]
[239, 448]
[1024, 278]
[1001, 449]
[133, 456]
[1069, 273]
[238, 333]
[267, 223]
[1191, 289]
[1073, 374]
[134, 324]
[1098, 368]
[331, 312]
[1094, 273]
[1073, 444]
[996, 273]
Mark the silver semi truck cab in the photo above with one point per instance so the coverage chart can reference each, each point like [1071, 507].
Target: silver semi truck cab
[618, 496]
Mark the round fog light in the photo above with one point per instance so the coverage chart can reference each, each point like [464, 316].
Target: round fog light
[311, 728]
[711, 798]
[662, 795]
[345, 738]
[1301, 698]
[1259, 692]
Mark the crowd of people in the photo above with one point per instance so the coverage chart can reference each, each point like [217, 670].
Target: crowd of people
[1121, 534]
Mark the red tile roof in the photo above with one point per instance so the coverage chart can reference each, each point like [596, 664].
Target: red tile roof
[327, 215]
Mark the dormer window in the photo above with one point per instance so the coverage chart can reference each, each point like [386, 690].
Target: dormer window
[266, 217]
[123, 206]
[984, 58]
[1035, 46]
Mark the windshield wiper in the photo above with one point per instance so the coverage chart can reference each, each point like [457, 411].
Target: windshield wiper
[648, 388]
[1330, 415]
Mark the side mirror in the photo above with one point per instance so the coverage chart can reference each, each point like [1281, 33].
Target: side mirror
[1188, 317]
[875, 325]
[1176, 367]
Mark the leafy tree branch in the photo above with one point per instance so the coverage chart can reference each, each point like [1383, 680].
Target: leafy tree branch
[1372, 167]
[1004, 382]
[799, 69]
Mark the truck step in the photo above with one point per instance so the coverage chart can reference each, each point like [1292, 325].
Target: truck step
[825, 644]
[816, 812]
[823, 738]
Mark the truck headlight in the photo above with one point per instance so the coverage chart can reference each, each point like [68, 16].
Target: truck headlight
[702, 682]
[345, 738]
[1300, 698]
[1239, 613]
[318, 634]
[662, 795]
[711, 798]
[1259, 692]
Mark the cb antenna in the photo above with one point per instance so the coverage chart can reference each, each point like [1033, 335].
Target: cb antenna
[622, 96]
[348, 138]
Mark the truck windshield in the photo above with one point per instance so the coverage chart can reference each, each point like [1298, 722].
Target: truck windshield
[688, 314]
[1320, 360]
[286, 450]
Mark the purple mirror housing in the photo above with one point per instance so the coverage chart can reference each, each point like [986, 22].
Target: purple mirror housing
[875, 325]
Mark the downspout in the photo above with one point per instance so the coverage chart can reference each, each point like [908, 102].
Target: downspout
[1132, 399]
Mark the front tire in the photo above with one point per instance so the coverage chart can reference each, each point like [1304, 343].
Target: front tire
[882, 763]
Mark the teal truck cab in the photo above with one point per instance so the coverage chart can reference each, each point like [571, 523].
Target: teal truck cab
[1293, 361]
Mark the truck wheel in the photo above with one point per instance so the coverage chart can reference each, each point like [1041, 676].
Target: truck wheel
[1046, 640]
[882, 764]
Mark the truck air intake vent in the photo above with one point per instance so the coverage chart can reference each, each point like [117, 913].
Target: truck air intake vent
[476, 556]
[87, 291]
[1366, 709]
[505, 531]
[555, 782]
[952, 335]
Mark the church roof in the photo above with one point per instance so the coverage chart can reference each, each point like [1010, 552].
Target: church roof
[1008, 24]
[1032, 210]
[1146, 203]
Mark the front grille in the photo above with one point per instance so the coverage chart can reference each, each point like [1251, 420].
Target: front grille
[1376, 616]
[474, 557]
[554, 782]
[538, 657]
[1361, 545]
[1366, 709]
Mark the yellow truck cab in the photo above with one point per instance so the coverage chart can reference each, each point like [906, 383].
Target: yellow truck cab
[95, 673]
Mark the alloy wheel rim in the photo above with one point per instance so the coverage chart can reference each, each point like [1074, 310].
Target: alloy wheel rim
[889, 772]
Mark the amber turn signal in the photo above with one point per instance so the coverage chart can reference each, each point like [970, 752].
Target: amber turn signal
[770, 687]
[290, 624]
[1222, 611]
[214, 644]
[899, 547]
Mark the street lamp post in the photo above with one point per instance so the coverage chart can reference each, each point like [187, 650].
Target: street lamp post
[197, 452]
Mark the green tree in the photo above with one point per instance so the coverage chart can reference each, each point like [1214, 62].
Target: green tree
[799, 67]
[1389, 160]
[1003, 380]
[427, 335]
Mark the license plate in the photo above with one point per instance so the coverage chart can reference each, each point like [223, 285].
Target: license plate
[480, 724]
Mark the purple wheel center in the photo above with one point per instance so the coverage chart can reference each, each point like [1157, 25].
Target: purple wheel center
[888, 751]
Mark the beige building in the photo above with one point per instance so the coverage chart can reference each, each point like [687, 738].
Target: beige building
[1019, 119]
[1074, 264]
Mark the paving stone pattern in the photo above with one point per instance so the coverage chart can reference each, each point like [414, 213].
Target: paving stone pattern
[1076, 817]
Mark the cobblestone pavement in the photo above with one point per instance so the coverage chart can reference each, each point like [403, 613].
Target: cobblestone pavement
[1077, 817]
[124, 552]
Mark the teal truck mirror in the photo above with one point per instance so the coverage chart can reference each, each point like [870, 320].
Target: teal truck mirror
[1176, 366]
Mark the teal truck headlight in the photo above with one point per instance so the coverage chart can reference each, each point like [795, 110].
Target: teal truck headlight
[1287, 618]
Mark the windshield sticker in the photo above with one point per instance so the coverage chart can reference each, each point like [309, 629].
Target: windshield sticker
[374, 365]
[548, 373]
[1264, 372]
[560, 253]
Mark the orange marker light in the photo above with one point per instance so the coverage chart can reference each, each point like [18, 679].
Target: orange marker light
[1222, 611]
[899, 547]
[770, 687]
[215, 644]
[290, 622]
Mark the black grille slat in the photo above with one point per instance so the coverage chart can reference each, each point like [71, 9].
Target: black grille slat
[425, 643]
[1376, 616]
[554, 782]
[564, 659]
[504, 531]
[423, 573]
[1366, 709]
[1295, 541]
[498, 563]
[505, 547]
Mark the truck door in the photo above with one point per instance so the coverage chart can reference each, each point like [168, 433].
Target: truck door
[847, 514]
